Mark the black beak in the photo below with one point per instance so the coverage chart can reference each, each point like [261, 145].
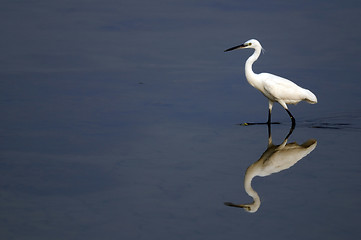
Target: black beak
[236, 47]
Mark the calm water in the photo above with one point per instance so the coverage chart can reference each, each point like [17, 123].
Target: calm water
[121, 121]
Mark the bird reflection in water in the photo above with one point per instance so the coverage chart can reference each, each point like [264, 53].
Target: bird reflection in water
[275, 159]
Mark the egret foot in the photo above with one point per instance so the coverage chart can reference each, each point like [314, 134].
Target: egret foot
[263, 123]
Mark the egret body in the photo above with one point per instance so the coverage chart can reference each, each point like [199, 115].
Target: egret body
[275, 88]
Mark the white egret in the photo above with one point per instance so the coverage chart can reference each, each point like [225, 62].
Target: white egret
[275, 88]
[275, 159]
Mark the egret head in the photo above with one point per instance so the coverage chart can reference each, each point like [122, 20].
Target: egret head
[253, 43]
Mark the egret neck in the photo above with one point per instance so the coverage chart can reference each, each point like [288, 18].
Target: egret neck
[250, 75]
[250, 174]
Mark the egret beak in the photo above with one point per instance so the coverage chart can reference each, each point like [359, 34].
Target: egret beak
[236, 205]
[246, 207]
[236, 47]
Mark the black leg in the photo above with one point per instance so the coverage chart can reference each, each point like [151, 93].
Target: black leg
[290, 132]
[292, 118]
[269, 134]
[269, 117]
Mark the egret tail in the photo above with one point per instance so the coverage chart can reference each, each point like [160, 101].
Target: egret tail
[310, 97]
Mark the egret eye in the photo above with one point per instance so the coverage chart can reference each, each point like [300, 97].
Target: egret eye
[249, 44]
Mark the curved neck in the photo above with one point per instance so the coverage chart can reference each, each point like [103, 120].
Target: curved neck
[248, 67]
[250, 174]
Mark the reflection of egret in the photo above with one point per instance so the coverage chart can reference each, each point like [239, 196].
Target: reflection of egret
[275, 88]
[275, 159]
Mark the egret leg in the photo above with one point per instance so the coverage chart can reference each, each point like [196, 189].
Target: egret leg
[292, 118]
[269, 135]
[283, 104]
[290, 132]
[270, 105]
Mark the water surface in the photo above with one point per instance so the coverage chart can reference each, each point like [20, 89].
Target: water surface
[121, 120]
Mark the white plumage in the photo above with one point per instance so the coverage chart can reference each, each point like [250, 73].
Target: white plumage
[275, 159]
[275, 88]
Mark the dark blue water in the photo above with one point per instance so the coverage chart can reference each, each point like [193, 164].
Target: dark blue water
[120, 120]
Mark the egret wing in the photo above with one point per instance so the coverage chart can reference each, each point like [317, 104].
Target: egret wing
[278, 88]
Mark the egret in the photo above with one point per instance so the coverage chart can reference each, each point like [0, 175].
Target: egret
[275, 159]
[275, 88]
